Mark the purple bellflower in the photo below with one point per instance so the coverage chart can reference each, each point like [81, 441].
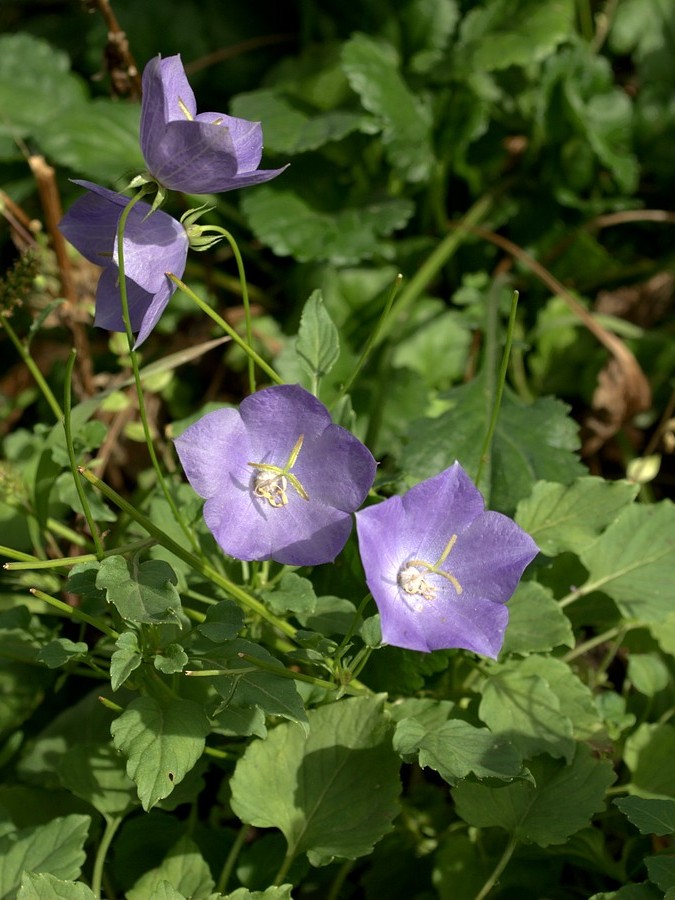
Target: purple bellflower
[279, 478]
[440, 567]
[154, 244]
[196, 153]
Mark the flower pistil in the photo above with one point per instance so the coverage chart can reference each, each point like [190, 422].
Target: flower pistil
[270, 482]
[413, 575]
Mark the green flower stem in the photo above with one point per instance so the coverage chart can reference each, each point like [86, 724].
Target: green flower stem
[33, 369]
[499, 868]
[18, 555]
[67, 426]
[496, 392]
[434, 263]
[30, 562]
[137, 375]
[339, 880]
[247, 600]
[112, 823]
[73, 612]
[111, 705]
[287, 673]
[283, 869]
[228, 329]
[610, 634]
[68, 534]
[231, 861]
[217, 229]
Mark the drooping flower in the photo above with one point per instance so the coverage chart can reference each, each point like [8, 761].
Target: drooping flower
[154, 244]
[279, 478]
[440, 567]
[194, 152]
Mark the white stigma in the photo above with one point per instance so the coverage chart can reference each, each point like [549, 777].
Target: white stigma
[271, 486]
[414, 581]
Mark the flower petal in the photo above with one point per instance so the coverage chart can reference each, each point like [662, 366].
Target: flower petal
[195, 157]
[215, 443]
[154, 244]
[165, 87]
[246, 137]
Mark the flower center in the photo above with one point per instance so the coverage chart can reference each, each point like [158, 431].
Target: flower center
[414, 575]
[271, 482]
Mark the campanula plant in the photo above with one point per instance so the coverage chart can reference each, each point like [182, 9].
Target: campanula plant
[280, 479]
[440, 567]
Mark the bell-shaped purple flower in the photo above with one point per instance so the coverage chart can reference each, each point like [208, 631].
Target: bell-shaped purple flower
[279, 478]
[440, 567]
[154, 244]
[196, 153]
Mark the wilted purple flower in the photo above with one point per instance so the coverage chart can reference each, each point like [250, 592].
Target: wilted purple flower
[279, 478]
[440, 567]
[197, 153]
[154, 244]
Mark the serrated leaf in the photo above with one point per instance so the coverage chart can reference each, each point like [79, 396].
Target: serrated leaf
[524, 709]
[372, 68]
[223, 622]
[650, 816]
[336, 794]
[246, 685]
[289, 129]
[504, 33]
[569, 518]
[42, 886]
[318, 342]
[292, 227]
[161, 743]
[648, 755]
[171, 660]
[61, 651]
[634, 561]
[125, 659]
[240, 721]
[293, 594]
[531, 442]
[536, 622]
[661, 871]
[146, 593]
[56, 848]
[283, 892]
[455, 749]
[184, 869]
[561, 801]
[96, 773]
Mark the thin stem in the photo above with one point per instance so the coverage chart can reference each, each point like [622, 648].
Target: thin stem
[67, 426]
[112, 823]
[228, 329]
[74, 612]
[63, 531]
[33, 369]
[584, 647]
[287, 673]
[137, 375]
[247, 600]
[18, 555]
[283, 868]
[499, 868]
[29, 562]
[339, 880]
[231, 861]
[499, 388]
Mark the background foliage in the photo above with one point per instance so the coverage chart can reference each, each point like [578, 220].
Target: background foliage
[476, 148]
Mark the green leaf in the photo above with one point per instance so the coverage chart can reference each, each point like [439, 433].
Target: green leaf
[318, 342]
[661, 871]
[336, 794]
[30, 96]
[372, 68]
[536, 622]
[522, 708]
[96, 773]
[162, 742]
[634, 563]
[184, 869]
[56, 848]
[455, 749]
[61, 651]
[428, 25]
[289, 129]
[649, 816]
[171, 660]
[125, 659]
[223, 622]
[648, 755]
[531, 442]
[505, 33]
[43, 886]
[97, 140]
[561, 518]
[648, 673]
[247, 685]
[289, 225]
[560, 802]
[293, 594]
[435, 344]
[147, 593]
[283, 892]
